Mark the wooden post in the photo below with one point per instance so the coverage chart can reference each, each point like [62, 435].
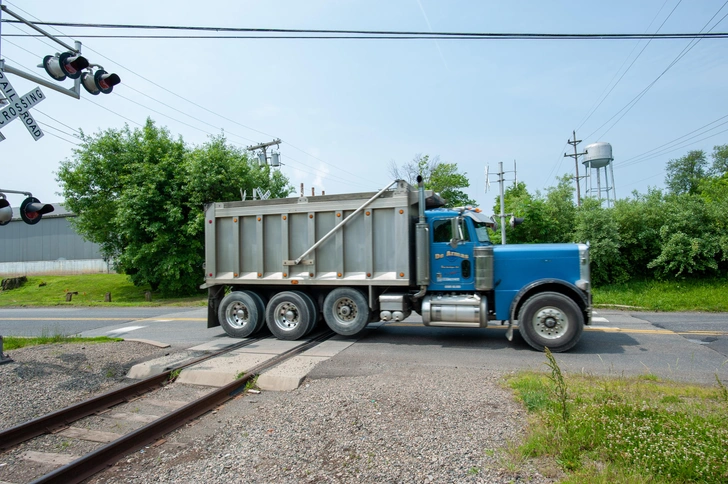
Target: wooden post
[107, 297]
[148, 296]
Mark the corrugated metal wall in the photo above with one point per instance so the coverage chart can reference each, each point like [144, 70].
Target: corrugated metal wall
[51, 239]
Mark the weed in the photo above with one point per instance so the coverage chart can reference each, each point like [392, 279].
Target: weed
[239, 375]
[251, 384]
[174, 374]
[560, 390]
[15, 342]
[110, 373]
[473, 471]
[629, 430]
[722, 389]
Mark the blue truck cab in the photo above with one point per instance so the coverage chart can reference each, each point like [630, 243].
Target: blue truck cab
[544, 287]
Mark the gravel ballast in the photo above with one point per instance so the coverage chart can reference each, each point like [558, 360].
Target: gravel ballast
[42, 379]
[407, 423]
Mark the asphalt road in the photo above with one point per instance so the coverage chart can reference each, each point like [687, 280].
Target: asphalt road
[676, 346]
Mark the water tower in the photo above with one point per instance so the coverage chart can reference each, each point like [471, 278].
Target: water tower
[597, 159]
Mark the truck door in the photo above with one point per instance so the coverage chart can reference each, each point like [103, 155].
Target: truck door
[452, 268]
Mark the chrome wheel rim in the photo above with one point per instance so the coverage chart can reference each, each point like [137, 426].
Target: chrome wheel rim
[286, 316]
[345, 310]
[237, 315]
[550, 322]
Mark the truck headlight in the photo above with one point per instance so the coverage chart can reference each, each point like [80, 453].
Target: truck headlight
[584, 276]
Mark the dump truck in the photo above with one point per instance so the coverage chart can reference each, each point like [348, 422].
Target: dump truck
[353, 259]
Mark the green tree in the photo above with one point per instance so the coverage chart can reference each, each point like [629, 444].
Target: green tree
[691, 238]
[140, 195]
[639, 220]
[521, 203]
[685, 174]
[597, 226]
[720, 161]
[442, 178]
[547, 219]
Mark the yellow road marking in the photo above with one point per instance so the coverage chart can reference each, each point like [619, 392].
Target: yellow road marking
[606, 330]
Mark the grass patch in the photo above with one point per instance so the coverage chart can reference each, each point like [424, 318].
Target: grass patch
[14, 342]
[625, 430]
[91, 288]
[675, 295]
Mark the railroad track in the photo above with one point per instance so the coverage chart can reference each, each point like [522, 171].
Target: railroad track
[105, 456]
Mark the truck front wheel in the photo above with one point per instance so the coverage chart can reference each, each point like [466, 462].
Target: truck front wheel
[241, 314]
[289, 315]
[552, 320]
[346, 311]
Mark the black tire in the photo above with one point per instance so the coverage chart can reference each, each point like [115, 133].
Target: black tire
[552, 320]
[346, 311]
[241, 314]
[288, 315]
[313, 308]
[260, 303]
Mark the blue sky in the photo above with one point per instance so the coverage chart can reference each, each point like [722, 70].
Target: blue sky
[345, 109]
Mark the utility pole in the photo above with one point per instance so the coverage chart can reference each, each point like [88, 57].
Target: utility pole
[502, 215]
[576, 163]
[264, 147]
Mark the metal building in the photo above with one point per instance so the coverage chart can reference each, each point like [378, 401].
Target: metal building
[51, 246]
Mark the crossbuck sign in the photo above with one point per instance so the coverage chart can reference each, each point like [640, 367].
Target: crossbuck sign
[19, 107]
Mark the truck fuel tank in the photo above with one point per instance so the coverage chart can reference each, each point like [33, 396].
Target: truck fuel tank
[455, 310]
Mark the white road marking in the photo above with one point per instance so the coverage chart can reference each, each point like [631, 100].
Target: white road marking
[124, 330]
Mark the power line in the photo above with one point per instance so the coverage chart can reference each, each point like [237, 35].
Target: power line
[390, 33]
[711, 35]
[328, 175]
[664, 152]
[628, 107]
[594, 110]
[628, 160]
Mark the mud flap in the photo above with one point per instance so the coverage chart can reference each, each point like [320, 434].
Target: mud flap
[509, 331]
[214, 297]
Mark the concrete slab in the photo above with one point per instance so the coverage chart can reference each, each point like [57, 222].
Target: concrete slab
[331, 346]
[222, 370]
[270, 346]
[148, 341]
[159, 365]
[48, 458]
[217, 344]
[288, 375]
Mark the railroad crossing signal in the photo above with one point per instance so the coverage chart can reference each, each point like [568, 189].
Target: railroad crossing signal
[31, 210]
[19, 107]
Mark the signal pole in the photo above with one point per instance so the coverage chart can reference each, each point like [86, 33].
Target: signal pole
[576, 163]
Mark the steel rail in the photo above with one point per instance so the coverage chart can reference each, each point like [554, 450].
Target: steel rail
[64, 417]
[100, 459]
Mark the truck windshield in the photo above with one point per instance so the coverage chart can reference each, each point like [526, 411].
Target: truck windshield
[481, 231]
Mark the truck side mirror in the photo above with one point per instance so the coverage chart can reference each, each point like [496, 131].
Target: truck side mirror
[455, 230]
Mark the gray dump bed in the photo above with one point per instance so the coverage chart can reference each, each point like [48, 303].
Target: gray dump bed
[264, 242]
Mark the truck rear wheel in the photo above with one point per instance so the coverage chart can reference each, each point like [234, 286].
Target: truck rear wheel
[241, 313]
[552, 320]
[346, 311]
[313, 308]
[289, 315]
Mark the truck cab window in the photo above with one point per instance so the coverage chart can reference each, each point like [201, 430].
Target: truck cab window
[441, 230]
[481, 232]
